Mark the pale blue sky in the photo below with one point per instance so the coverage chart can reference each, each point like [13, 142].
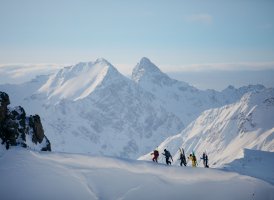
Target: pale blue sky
[175, 34]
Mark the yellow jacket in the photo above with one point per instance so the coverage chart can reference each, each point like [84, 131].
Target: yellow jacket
[193, 160]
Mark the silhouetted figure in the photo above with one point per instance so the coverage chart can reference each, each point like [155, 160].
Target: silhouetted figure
[155, 155]
[205, 160]
[167, 155]
[182, 157]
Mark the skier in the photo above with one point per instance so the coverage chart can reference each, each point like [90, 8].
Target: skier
[205, 160]
[182, 157]
[155, 155]
[192, 157]
[167, 155]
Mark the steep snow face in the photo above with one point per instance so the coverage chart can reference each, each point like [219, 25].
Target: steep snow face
[78, 81]
[176, 96]
[91, 107]
[224, 132]
[31, 175]
[118, 118]
[180, 98]
[230, 94]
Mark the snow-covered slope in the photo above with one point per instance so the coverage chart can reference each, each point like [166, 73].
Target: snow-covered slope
[224, 132]
[184, 100]
[91, 107]
[255, 163]
[116, 119]
[78, 81]
[32, 175]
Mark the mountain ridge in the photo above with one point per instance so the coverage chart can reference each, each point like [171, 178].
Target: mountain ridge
[224, 132]
[77, 81]
[92, 108]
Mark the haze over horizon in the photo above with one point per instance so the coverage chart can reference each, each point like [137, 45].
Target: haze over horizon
[201, 41]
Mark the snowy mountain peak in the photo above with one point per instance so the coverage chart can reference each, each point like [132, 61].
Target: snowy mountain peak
[145, 69]
[150, 77]
[102, 61]
[78, 81]
[83, 67]
[147, 64]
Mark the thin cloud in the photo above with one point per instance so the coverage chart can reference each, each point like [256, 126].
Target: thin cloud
[19, 73]
[222, 67]
[199, 18]
[24, 69]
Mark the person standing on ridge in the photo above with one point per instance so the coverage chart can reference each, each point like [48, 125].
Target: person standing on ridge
[167, 155]
[182, 157]
[205, 160]
[155, 155]
[192, 157]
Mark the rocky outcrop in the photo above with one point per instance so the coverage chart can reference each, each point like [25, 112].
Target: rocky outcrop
[4, 102]
[17, 129]
[38, 132]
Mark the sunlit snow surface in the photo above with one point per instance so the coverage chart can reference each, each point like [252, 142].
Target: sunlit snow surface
[91, 108]
[224, 132]
[29, 175]
[254, 163]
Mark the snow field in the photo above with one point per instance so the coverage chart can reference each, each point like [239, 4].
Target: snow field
[28, 175]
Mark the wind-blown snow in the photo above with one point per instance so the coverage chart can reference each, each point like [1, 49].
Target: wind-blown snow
[32, 175]
[77, 82]
[19, 74]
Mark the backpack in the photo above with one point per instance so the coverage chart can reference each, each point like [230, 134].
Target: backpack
[168, 154]
[194, 158]
[156, 153]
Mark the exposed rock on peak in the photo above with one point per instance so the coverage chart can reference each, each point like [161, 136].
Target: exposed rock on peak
[149, 75]
[145, 63]
[102, 61]
[145, 68]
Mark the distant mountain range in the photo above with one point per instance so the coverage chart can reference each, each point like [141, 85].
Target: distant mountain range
[92, 108]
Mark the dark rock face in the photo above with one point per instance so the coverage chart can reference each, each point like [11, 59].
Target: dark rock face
[38, 131]
[4, 102]
[17, 129]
